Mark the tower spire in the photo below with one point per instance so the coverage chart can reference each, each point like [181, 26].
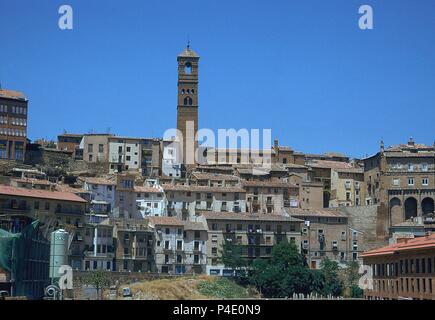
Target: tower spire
[188, 42]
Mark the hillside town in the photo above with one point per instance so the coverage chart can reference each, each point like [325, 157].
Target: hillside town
[137, 205]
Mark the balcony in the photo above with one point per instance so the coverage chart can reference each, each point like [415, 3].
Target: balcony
[15, 211]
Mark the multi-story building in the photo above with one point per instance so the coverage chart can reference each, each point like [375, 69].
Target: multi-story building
[311, 195]
[151, 157]
[99, 250]
[402, 179]
[320, 171]
[404, 270]
[256, 233]
[69, 141]
[95, 147]
[180, 246]
[171, 159]
[327, 234]
[102, 193]
[270, 196]
[214, 179]
[20, 206]
[347, 187]
[150, 200]
[185, 201]
[13, 125]
[124, 154]
[134, 242]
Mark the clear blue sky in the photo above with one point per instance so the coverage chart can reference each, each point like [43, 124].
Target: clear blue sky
[302, 68]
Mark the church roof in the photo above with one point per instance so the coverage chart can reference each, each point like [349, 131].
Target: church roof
[189, 53]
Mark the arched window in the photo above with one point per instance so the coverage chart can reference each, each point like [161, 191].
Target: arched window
[188, 91]
[188, 101]
[188, 68]
[193, 91]
[182, 91]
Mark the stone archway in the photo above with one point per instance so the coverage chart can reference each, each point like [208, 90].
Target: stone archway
[396, 211]
[427, 205]
[410, 208]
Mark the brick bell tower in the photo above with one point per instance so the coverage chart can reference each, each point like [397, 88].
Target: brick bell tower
[187, 105]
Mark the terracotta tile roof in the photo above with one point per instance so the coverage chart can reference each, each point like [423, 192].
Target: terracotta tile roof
[34, 181]
[314, 213]
[329, 164]
[349, 170]
[194, 188]
[198, 226]
[246, 216]
[10, 94]
[110, 181]
[40, 194]
[165, 221]
[420, 154]
[143, 189]
[213, 176]
[67, 188]
[427, 242]
[268, 184]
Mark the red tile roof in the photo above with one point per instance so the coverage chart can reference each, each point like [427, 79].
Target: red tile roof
[330, 164]
[141, 189]
[165, 221]
[427, 242]
[10, 94]
[40, 194]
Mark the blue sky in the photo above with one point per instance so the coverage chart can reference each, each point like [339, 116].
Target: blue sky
[302, 68]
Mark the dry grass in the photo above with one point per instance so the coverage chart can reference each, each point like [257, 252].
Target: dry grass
[180, 288]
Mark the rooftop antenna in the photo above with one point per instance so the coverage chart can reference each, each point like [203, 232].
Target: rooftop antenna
[188, 42]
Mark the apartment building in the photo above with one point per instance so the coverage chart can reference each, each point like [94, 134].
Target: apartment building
[151, 157]
[320, 171]
[185, 201]
[256, 233]
[125, 154]
[134, 242]
[102, 193]
[347, 187]
[214, 179]
[99, 250]
[286, 155]
[66, 210]
[151, 199]
[401, 179]
[311, 195]
[95, 147]
[402, 271]
[270, 196]
[327, 234]
[171, 159]
[180, 246]
[13, 125]
[69, 141]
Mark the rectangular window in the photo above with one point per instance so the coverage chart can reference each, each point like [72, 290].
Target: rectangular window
[425, 181]
[396, 182]
[90, 148]
[410, 181]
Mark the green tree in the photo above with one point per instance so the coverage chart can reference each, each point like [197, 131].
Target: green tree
[352, 278]
[231, 257]
[332, 284]
[99, 279]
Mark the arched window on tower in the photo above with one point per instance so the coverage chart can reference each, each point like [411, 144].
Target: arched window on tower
[188, 68]
[188, 101]
[182, 91]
